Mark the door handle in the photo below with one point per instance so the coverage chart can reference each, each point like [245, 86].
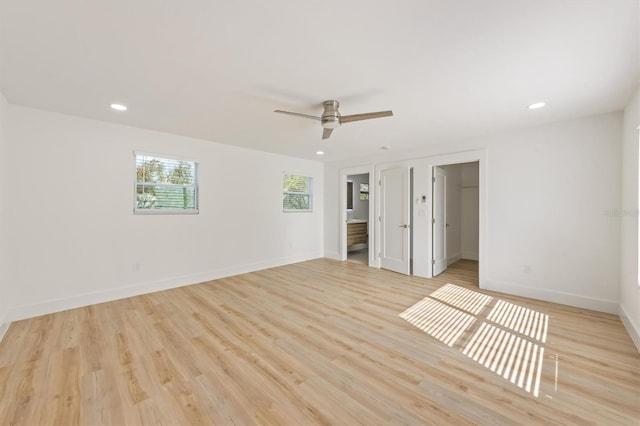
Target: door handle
[404, 226]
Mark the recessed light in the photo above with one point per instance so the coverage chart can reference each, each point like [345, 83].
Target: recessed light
[118, 107]
[536, 105]
[386, 148]
[320, 152]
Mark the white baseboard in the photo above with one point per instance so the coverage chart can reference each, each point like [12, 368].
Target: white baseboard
[470, 255]
[632, 329]
[570, 299]
[453, 258]
[63, 304]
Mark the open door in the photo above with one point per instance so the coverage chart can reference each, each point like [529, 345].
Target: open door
[439, 221]
[395, 236]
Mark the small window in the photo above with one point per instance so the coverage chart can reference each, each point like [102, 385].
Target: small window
[364, 191]
[165, 185]
[297, 193]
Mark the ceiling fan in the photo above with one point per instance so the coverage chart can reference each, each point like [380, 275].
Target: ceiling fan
[331, 118]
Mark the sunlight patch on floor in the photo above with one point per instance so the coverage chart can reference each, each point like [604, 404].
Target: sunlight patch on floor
[514, 358]
[441, 321]
[504, 337]
[520, 319]
[463, 298]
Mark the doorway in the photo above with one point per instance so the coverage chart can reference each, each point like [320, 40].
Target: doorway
[350, 187]
[456, 224]
[357, 217]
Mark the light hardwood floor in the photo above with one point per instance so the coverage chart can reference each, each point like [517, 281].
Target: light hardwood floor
[318, 342]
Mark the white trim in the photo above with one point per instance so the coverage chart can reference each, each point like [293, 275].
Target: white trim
[57, 305]
[634, 333]
[562, 298]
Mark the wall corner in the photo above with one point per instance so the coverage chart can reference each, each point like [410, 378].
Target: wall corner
[631, 328]
[4, 325]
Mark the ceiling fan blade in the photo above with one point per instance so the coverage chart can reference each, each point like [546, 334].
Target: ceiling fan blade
[326, 133]
[365, 116]
[297, 114]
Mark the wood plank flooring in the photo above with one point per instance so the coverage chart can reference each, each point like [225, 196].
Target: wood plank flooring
[318, 342]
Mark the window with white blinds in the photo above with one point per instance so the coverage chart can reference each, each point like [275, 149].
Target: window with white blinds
[165, 185]
[297, 193]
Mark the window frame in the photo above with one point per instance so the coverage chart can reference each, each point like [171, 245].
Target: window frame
[136, 184]
[309, 193]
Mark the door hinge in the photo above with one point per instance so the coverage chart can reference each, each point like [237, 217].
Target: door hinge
[433, 261]
[433, 221]
[433, 179]
[380, 182]
[379, 218]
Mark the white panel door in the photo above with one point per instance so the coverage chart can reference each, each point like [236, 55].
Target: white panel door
[395, 220]
[439, 221]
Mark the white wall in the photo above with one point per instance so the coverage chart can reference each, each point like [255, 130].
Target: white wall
[549, 193]
[75, 240]
[548, 190]
[4, 220]
[628, 215]
[469, 199]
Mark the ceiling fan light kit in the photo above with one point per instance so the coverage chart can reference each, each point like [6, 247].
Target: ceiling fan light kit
[331, 118]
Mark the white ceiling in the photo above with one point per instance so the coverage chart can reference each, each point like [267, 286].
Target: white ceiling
[216, 70]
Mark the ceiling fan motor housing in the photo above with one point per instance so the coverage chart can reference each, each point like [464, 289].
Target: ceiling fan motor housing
[331, 116]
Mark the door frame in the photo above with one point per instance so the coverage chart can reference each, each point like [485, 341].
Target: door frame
[457, 158]
[369, 168]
